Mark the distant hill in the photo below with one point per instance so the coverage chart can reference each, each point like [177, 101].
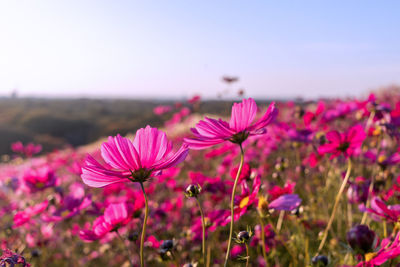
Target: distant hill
[55, 123]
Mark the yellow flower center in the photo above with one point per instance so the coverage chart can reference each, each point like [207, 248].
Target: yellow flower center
[370, 256]
[65, 213]
[381, 158]
[244, 202]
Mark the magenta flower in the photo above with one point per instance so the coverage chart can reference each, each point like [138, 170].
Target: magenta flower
[286, 202]
[29, 150]
[379, 208]
[115, 216]
[39, 178]
[145, 157]
[348, 143]
[388, 250]
[22, 217]
[209, 132]
[9, 258]
[247, 198]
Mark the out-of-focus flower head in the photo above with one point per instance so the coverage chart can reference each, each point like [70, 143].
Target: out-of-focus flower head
[348, 143]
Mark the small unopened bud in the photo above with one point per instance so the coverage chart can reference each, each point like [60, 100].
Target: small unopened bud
[361, 238]
[320, 260]
[133, 236]
[166, 245]
[192, 190]
[35, 253]
[244, 236]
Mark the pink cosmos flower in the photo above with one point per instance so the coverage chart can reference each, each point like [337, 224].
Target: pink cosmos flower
[160, 110]
[247, 198]
[310, 116]
[22, 217]
[348, 143]
[115, 216]
[145, 157]
[39, 178]
[29, 150]
[277, 191]
[388, 250]
[9, 258]
[379, 208]
[209, 132]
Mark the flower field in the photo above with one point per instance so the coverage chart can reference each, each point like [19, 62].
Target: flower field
[307, 184]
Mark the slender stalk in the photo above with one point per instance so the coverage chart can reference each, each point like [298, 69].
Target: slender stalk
[208, 256]
[203, 223]
[371, 187]
[232, 204]
[284, 243]
[247, 255]
[125, 246]
[335, 206]
[263, 241]
[280, 221]
[349, 215]
[146, 213]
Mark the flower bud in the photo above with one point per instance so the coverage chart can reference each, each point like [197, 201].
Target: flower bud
[361, 238]
[166, 245]
[243, 236]
[192, 190]
[320, 260]
[133, 236]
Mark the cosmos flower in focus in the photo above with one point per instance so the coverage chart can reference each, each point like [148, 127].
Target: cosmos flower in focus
[209, 132]
[145, 157]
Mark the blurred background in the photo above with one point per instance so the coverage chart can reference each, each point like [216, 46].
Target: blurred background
[73, 71]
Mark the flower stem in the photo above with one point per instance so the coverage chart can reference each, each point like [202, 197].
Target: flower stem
[370, 189]
[335, 206]
[125, 246]
[232, 204]
[203, 223]
[247, 255]
[146, 213]
[263, 241]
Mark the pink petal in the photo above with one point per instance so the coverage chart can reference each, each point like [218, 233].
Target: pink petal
[243, 114]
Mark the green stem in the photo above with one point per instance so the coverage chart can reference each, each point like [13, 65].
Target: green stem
[125, 246]
[283, 242]
[370, 189]
[203, 222]
[232, 205]
[263, 241]
[335, 206]
[146, 213]
[247, 255]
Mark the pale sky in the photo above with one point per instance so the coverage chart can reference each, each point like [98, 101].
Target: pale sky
[173, 48]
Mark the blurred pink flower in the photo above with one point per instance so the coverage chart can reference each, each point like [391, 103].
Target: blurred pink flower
[36, 179]
[115, 216]
[389, 249]
[379, 208]
[348, 143]
[29, 150]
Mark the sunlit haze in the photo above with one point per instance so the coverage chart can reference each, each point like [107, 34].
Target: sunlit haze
[174, 49]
